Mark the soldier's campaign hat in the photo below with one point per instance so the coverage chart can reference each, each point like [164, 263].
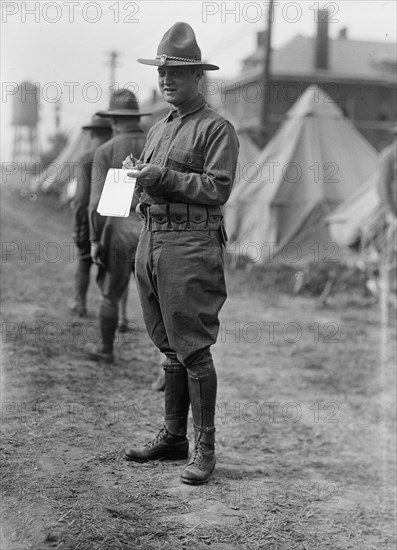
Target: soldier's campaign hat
[122, 103]
[179, 48]
[98, 123]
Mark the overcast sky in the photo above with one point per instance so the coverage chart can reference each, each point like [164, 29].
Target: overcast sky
[64, 45]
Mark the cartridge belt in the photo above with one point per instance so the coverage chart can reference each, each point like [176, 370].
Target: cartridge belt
[180, 217]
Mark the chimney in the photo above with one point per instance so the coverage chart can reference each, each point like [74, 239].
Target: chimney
[343, 33]
[321, 54]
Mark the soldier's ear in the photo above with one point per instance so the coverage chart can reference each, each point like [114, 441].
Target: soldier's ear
[198, 74]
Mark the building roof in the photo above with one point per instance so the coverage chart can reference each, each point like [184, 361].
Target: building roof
[353, 60]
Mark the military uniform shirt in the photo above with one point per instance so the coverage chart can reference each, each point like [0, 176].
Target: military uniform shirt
[197, 152]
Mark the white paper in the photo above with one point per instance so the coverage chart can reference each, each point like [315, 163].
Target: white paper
[117, 193]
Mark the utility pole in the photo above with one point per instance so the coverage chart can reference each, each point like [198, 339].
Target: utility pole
[57, 109]
[264, 118]
[112, 63]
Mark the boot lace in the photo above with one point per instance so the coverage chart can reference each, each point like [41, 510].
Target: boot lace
[158, 439]
[198, 453]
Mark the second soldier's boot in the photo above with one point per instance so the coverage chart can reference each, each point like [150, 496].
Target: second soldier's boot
[123, 319]
[202, 389]
[171, 442]
[108, 320]
[81, 284]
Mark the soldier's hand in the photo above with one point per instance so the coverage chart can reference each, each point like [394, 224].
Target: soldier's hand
[129, 162]
[146, 175]
[96, 253]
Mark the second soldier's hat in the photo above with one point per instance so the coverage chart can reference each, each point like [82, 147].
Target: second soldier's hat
[179, 48]
[98, 123]
[122, 103]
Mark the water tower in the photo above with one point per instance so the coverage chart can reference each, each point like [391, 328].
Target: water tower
[25, 118]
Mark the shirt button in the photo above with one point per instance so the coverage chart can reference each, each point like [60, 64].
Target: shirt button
[158, 161]
[189, 161]
[178, 218]
[167, 137]
[198, 217]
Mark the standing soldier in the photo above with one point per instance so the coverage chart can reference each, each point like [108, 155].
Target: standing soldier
[188, 168]
[387, 189]
[100, 132]
[114, 240]
[387, 185]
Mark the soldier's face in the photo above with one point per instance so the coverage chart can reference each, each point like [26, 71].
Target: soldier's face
[178, 84]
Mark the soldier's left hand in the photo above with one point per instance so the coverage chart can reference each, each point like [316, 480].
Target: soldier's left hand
[146, 174]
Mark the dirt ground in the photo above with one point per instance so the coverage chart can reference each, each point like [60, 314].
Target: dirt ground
[305, 416]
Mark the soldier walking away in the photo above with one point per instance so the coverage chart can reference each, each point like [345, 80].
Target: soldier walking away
[114, 240]
[100, 132]
[186, 175]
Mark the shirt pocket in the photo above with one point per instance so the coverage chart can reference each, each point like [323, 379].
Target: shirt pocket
[185, 160]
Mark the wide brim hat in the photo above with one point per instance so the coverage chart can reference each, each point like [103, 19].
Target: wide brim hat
[123, 103]
[98, 123]
[179, 48]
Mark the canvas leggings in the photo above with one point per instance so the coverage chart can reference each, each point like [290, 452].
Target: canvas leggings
[113, 279]
[82, 274]
[181, 285]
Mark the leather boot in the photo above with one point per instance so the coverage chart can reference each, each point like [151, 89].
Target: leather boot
[176, 397]
[108, 327]
[164, 446]
[171, 442]
[81, 284]
[201, 463]
[202, 382]
[123, 320]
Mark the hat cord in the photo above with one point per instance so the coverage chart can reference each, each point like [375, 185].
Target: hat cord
[177, 58]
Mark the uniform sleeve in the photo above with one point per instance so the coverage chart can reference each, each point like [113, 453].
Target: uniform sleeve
[214, 185]
[98, 177]
[82, 197]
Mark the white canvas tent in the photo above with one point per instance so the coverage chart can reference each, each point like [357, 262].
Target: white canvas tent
[351, 220]
[313, 163]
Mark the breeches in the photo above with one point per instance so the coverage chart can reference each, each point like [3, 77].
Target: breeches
[119, 243]
[181, 285]
[113, 279]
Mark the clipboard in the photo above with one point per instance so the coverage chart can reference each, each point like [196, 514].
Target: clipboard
[117, 193]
